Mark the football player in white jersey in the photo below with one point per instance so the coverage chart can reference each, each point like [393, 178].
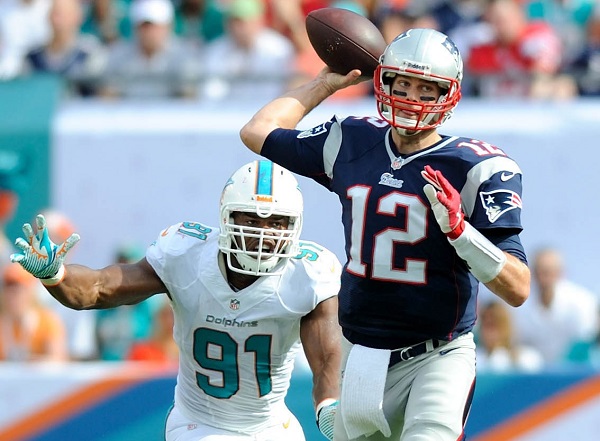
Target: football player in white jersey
[246, 297]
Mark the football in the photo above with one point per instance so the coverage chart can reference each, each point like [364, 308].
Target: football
[345, 40]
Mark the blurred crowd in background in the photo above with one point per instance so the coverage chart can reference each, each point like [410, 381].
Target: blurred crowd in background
[216, 49]
[252, 49]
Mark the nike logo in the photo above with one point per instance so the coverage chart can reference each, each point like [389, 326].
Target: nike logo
[505, 176]
[445, 351]
[165, 232]
[287, 424]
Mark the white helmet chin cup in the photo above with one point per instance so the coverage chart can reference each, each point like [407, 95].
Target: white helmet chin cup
[251, 265]
[265, 189]
[426, 54]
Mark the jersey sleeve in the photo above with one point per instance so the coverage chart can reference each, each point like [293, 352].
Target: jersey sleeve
[175, 253]
[304, 152]
[315, 277]
[159, 251]
[492, 195]
[323, 269]
[492, 202]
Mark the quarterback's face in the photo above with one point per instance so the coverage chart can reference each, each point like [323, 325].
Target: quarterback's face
[417, 90]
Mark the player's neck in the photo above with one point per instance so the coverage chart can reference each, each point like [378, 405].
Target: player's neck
[411, 144]
[238, 281]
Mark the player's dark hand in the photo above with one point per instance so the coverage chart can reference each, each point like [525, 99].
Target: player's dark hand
[445, 202]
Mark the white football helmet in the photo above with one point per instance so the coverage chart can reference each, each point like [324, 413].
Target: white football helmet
[420, 53]
[266, 189]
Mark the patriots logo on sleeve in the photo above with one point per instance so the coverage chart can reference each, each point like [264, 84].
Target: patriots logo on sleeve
[498, 202]
[315, 131]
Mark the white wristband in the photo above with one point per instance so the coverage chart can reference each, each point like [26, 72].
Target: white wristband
[53, 281]
[484, 258]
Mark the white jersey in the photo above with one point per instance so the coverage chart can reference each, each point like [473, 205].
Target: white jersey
[237, 349]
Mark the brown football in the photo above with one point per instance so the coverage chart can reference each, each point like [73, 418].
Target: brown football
[345, 40]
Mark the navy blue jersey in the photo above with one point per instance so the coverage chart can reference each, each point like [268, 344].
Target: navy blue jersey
[403, 281]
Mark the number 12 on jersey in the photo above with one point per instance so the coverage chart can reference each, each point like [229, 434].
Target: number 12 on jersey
[384, 241]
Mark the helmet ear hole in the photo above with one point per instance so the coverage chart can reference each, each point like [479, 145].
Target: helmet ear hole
[388, 78]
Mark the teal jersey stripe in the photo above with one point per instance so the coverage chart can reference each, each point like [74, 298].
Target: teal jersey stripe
[264, 181]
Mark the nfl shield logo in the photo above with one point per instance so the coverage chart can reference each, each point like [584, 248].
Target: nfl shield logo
[397, 163]
[234, 304]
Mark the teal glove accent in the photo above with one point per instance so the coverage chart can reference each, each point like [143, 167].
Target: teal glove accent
[39, 255]
[325, 419]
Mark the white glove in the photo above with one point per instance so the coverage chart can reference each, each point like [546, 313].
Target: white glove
[40, 256]
[326, 416]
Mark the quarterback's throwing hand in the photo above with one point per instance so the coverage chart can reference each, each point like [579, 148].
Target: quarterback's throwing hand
[39, 255]
[445, 202]
[326, 416]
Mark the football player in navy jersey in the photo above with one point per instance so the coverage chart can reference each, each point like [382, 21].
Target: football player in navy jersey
[426, 217]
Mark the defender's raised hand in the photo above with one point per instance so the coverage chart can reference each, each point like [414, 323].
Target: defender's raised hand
[445, 202]
[39, 255]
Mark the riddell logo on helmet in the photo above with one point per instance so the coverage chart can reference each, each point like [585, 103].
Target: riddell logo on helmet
[261, 198]
[416, 66]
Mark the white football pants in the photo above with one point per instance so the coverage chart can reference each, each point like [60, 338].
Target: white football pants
[426, 398]
[178, 428]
